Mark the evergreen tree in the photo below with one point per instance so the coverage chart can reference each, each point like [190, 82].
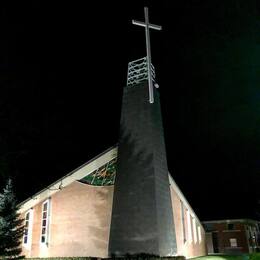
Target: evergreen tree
[11, 229]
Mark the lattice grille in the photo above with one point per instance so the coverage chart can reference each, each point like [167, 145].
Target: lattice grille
[138, 71]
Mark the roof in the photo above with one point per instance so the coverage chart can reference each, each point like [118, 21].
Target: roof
[81, 173]
[231, 221]
[75, 175]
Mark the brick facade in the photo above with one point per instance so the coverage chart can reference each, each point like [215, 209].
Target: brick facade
[232, 236]
[80, 217]
[79, 223]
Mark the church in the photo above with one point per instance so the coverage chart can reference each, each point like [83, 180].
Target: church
[123, 201]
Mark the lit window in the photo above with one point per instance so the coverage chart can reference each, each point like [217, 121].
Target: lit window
[27, 228]
[189, 226]
[103, 176]
[194, 230]
[233, 242]
[45, 221]
[183, 222]
[199, 233]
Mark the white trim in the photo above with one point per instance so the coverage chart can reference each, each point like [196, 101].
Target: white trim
[189, 226]
[199, 233]
[28, 244]
[47, 224]
[194, 227]
[183, 222]
[176, 188]
[77, 174]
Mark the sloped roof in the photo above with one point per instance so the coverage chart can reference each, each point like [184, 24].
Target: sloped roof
[85, 170]
[75, 175]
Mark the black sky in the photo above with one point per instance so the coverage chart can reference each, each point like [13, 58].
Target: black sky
[63, 68]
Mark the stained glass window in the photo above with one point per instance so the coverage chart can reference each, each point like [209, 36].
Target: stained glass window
[103, 176]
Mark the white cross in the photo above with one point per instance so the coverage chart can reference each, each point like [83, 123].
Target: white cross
[148, 48]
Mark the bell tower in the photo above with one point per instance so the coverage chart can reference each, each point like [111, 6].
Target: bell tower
[142, 216]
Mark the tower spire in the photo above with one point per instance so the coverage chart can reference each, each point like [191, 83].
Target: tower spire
[148, 26]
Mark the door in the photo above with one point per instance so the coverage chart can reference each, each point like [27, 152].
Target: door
[215, 242]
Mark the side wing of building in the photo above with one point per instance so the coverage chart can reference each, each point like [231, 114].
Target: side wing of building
[190, 234]
[72, 217]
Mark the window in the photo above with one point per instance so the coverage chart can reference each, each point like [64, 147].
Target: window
[103, 176]
[199, 233]
[233, 242]
[209, 227]
[194, 230]
[45, 221]
[230, 226]
[183, 223]
[28, 228]
[189, 226]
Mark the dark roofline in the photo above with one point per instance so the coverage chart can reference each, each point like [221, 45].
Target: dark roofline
[244, 220]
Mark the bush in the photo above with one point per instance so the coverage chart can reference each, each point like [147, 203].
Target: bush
[134, 257]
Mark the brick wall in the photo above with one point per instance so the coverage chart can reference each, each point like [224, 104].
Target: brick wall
[79, 223]
[186, 248]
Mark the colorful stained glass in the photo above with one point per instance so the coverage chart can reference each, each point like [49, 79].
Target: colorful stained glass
[103, 176]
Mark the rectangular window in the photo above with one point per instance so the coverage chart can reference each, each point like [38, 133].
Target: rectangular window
[230, 226]
[183, 223]
[45, 221]
[194, 230]
[233, 242]
[189, 226]
[27, 236]
[199, 233]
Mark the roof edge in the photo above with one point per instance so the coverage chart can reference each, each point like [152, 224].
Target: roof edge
[243, 220]
[68, 174]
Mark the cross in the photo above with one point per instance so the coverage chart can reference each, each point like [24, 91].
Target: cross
[148, 48]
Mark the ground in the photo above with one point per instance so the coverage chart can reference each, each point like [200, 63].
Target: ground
[226, 257]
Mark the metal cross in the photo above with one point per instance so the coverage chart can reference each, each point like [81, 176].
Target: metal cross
[148, 48]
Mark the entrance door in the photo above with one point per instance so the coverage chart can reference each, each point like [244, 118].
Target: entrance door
[215, 242]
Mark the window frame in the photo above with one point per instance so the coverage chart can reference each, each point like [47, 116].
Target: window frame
[47, 222]
[189, 226]
[199, 233]
[183, 222]
[230, 226]
[194, 227]
[28, 227]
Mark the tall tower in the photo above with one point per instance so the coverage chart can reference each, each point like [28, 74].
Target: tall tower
[142, 217]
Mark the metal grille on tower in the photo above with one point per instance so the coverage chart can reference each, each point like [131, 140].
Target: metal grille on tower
[138, 71]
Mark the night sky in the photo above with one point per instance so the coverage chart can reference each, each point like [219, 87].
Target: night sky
[62, 72]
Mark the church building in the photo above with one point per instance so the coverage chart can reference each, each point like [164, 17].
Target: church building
[124, 201]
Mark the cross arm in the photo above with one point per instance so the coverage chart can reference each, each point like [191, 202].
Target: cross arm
[150, 25]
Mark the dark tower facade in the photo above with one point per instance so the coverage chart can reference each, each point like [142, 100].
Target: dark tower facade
[142, 216]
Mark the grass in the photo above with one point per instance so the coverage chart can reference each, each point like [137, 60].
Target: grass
[223, 257]
[255, 256]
